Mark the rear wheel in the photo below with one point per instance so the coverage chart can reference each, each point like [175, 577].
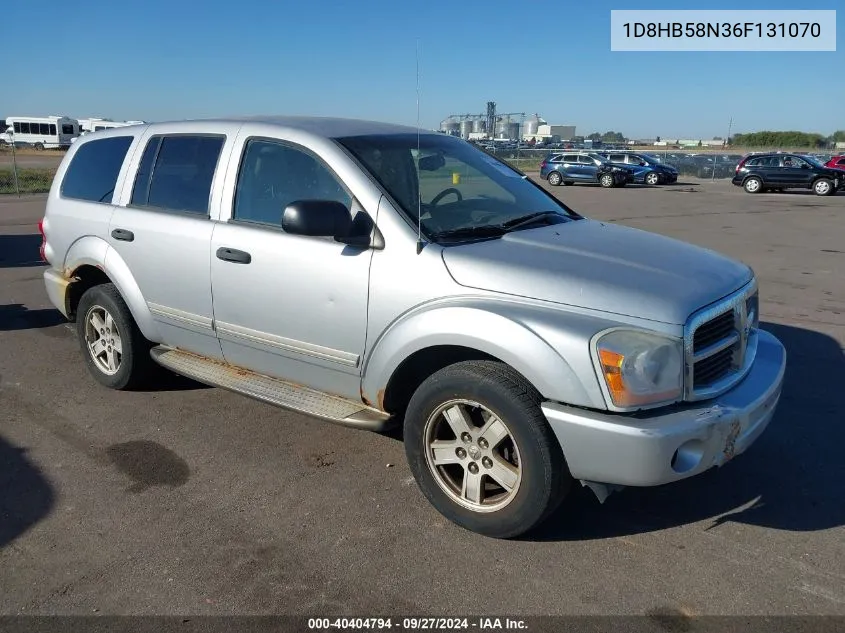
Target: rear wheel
[555, 178]
[481, 450]
[823, 187]
[753, 185]
[116, 353]
[39, 146]
[606, 180]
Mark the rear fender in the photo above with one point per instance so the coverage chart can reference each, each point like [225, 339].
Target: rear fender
[94, 251]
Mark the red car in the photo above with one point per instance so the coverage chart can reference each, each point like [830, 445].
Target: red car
[837, 162]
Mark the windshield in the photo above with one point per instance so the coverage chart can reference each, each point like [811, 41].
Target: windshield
[452, 186]
[813, 161]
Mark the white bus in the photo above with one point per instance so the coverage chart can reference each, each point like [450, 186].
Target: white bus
[95, 125]
[41, 132]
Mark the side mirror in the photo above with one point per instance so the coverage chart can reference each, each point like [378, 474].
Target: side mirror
[317, 218]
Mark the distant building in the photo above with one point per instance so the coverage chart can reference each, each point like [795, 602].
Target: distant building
[688, 142]
[552, 133]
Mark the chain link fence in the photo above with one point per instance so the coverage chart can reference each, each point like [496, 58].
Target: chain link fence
[24, 171]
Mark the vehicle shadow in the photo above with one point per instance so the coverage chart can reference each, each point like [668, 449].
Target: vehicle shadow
[165, 380]
[790, 479]
[26, 497]
[20, 251]
[16, 316]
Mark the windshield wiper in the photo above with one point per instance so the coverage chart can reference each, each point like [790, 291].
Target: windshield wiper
[525, 220]
[483, 230]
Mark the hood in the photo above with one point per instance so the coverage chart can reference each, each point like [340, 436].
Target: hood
[599, 266]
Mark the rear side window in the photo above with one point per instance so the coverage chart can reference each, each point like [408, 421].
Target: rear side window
[92, 174]
[176, 173]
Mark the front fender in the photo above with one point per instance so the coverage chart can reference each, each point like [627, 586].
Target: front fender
[548, 347]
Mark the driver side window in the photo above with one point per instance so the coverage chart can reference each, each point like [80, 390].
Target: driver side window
[274, 174]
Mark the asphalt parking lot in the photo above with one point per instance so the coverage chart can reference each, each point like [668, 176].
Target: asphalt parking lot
[191, 500]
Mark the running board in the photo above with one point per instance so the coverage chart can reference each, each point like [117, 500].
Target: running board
[270, 390]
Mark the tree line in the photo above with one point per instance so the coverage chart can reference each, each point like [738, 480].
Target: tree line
[752, 139]
[786, 139]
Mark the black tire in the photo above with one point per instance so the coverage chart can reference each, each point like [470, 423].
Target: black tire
[555, 178]
[652, 178]
[39, 146]
[753, 185]
[823, 187]
[607, 181]
[135, 365]
[545, 478]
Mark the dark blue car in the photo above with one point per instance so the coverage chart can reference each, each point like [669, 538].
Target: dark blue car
[650, 172]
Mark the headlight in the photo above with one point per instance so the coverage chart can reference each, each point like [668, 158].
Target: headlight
[640, 368]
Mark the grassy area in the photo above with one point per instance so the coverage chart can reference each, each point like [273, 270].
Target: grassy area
[29, 180]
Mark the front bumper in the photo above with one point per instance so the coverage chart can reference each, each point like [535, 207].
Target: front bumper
[675, 444]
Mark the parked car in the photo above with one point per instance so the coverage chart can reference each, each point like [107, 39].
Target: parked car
[349, 271]
[569, 168]
[779, 171]
[836, 162]
[647, 170]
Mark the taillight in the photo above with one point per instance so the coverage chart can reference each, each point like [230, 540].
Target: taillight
[739, 165]
[43, 241]
[543, 165]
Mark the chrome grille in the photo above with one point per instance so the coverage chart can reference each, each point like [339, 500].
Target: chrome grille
[711, 369]
[714, 331]
[720, 344]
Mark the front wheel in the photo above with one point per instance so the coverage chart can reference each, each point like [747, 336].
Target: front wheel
[822, 187]
[555, 179]
[652, 178]
[606, 180]
[39, 146]
[481, 450]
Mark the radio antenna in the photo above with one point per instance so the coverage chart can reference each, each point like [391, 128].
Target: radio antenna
[419, 194]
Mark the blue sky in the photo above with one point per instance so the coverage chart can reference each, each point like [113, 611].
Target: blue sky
[167, 59]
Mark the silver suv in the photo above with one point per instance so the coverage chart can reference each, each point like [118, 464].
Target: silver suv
[366, 273]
